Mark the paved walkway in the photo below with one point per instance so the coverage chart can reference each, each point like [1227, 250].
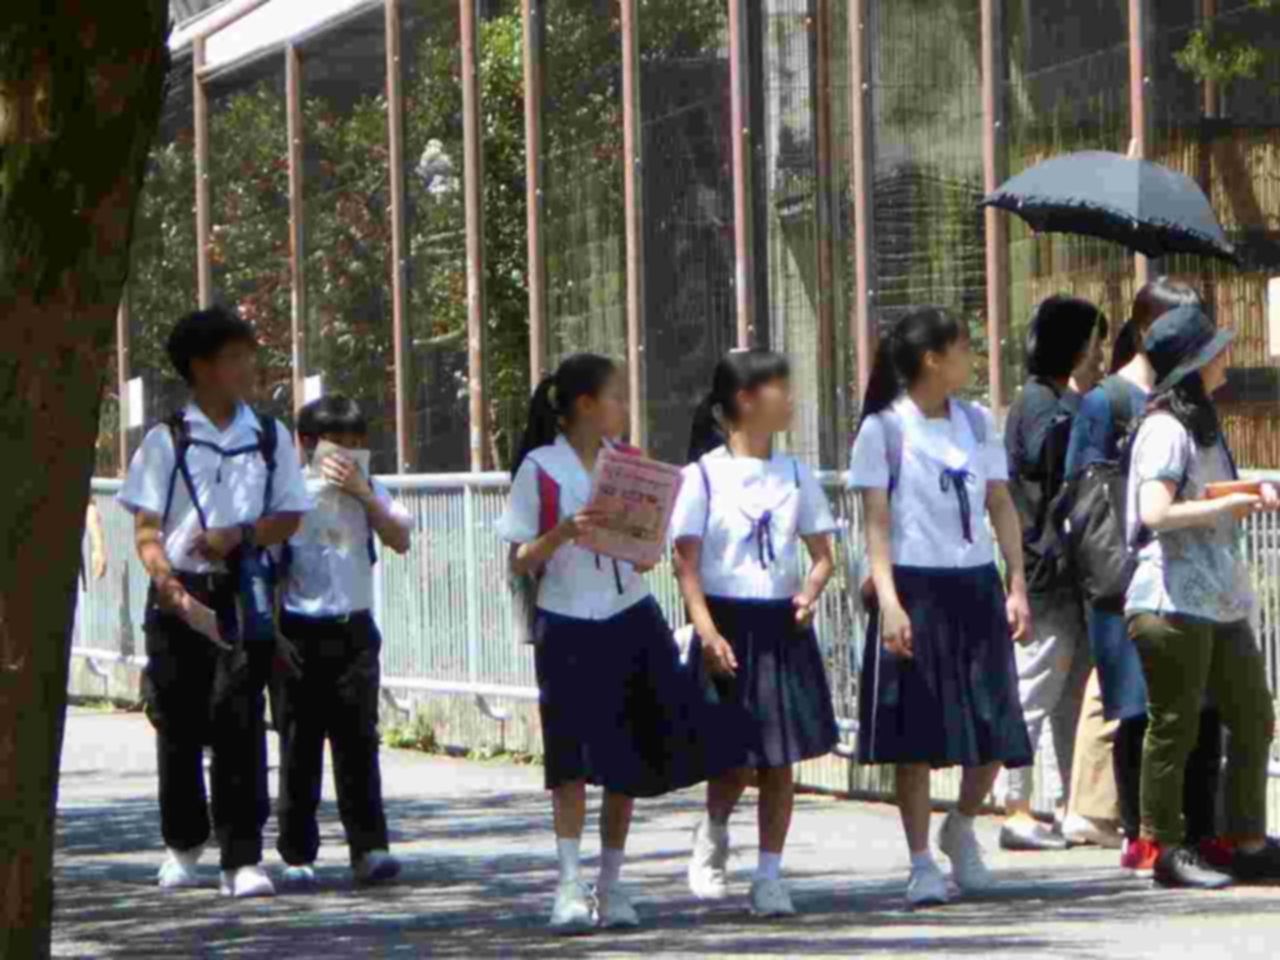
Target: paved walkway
[479, 868]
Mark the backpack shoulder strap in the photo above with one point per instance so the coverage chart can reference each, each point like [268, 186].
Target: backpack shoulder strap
[706, 490]
[548, 501]
[268, 444]
[180, 431]
[977, 422]
[1117, 394]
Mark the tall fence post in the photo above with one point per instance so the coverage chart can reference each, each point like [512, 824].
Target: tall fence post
[859, 125]
[297, 212]
[997, 224]
[473, 186]
[200, 123]
[633, 199]
[399, 290]
[471, 559]
[533, 21]
[122, 377]
[744, 273]
[1138, 99]
[829, 386]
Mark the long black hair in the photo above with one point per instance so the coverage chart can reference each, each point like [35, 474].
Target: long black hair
[552, 406]
[1189, 403]
[900, 356]
[737, 371]
[1152, 302]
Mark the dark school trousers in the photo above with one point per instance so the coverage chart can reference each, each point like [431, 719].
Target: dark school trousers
[335, 698]
[198, 696]
[1183, 659]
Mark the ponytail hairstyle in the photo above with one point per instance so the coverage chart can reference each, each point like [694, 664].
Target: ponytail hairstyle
[900, 356]
[1152, 302]
[737, 370]
[556, 398]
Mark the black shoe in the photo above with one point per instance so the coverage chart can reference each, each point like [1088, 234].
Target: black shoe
[1182, 867]
[1259, 866]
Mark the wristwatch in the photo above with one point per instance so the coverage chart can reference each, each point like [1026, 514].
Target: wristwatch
[248, 535]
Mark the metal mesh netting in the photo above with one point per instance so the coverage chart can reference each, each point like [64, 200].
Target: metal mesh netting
[926, 105]
[348, 340]
[1067, 89]
[1216, 75]
[689, 317]
[249, 217]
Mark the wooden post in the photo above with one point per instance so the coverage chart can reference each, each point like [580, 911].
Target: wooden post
[740, 104]
[1138, 96]
[997, 224]
[122, 377]
[864, 335]
[297, 212]
[829, 386]
[395, 159]
[533, 19]
[633, 199]
[200, 121]
[474, 200]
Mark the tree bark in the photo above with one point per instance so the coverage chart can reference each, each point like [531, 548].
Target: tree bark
[80, 94]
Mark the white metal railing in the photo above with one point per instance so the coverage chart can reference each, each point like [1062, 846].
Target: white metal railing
[445, 611]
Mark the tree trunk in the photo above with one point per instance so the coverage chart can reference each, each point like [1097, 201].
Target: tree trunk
[80, 94]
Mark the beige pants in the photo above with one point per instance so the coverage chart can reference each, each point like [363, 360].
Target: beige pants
[1093, 779]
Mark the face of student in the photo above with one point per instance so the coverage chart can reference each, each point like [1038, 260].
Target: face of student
[768, 407]
[1089, 365]
[606, 412]
[1214, 373]
[230, 373]
[953, 367]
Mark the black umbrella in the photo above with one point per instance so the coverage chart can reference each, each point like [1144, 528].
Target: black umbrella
[1137, 204]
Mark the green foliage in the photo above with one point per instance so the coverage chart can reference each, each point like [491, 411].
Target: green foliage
[1224, 56]
[417, 734]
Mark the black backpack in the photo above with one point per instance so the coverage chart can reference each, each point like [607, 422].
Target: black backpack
[1033, 492]
[1089, 514]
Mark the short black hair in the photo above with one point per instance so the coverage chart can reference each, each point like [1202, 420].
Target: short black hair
[200, 335]
[1059, 332]
[334, 413]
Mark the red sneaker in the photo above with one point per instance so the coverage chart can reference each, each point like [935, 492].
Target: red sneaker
[1140, 856]
[1217, 852]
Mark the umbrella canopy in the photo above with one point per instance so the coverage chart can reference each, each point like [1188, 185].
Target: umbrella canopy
[1137, 204]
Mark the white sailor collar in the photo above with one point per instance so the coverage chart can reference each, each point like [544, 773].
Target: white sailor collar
[949, 449]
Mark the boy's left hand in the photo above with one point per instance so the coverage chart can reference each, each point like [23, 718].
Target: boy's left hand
[217, 544]
[346, 476]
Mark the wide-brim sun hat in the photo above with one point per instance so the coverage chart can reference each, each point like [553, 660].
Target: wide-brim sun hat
[1182, 342]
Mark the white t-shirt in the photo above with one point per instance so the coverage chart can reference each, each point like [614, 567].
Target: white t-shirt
[758, 513]
[231, 489]
[575, 582]
[330, 570]
[925, 525]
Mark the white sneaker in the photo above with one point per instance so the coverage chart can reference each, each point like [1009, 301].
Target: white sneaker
[301, 877]
[1085, 831]
[376, 866]
[247, 882]
[708, 876]
[179, 871]
[573, 911]
[614, 907]
[926, 887]
[960, 845]
[771, 898]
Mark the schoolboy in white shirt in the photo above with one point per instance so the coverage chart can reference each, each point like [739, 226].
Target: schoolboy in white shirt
[331, 645]
[209, 488]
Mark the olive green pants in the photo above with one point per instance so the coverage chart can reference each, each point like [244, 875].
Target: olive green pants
[1183, 660]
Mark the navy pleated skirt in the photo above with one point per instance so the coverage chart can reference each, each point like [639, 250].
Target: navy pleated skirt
[619, 712]
[955, 701]
[1124, 687]
[780, 694]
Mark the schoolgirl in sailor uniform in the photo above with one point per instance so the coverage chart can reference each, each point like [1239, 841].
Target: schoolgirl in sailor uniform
[742, 513]
[616, 709]
[939, 684]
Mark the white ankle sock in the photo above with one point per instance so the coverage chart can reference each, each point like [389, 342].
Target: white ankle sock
[610, 866]
[717, 833]
[921, 860]
[188, 858]
[570, 852]
[769, 866]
